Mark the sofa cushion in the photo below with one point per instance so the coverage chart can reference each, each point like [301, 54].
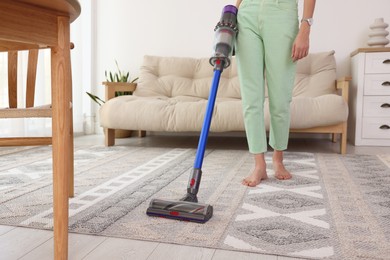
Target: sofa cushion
[307, 112]
[183, 113]
[159, 113]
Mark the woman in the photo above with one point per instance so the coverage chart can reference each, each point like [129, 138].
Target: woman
[269, 42]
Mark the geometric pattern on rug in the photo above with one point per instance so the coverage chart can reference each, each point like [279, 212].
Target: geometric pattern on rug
[106, 189]
[286, 215]
[357, 186]
[334, 207]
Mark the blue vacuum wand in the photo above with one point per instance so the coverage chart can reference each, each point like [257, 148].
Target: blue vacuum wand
[187, 208]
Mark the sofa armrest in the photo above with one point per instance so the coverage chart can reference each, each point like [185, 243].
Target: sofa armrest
[112, 87]
[343, 85]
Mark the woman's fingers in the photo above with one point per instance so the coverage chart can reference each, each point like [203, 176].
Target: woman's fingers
[299, 52]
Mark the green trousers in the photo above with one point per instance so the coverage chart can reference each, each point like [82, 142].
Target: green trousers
[267, 30]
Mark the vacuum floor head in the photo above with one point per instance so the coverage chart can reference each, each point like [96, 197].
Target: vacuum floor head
[181, 210]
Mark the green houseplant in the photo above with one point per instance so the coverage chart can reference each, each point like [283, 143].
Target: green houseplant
[117, 80]
[118, 76]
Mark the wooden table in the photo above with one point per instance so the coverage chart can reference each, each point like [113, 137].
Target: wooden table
[32, 24]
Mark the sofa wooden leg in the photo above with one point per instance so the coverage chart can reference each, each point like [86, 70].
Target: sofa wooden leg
[343, 144]
[141, 133]
[334, 137]
[343, 139]
[109, 139]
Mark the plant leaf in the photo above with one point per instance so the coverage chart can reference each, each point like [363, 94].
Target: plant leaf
[134, 80]
[119, 71]
[95, 98]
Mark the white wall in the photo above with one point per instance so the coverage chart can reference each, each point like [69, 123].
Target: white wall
[128, 29]
[343, 25]
[82, 72]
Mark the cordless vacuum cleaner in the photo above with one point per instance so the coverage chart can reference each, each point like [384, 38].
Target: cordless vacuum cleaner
[188, 208]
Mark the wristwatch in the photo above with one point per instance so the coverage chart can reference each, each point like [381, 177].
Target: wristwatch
[308, 20]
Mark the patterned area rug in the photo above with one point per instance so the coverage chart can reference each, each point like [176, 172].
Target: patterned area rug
[335, 207]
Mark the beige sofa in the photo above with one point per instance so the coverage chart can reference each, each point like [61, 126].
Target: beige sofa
[172, 92]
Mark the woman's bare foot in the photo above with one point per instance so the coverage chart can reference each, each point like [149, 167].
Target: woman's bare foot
[258, 174]
[255, 178]
[280, 171]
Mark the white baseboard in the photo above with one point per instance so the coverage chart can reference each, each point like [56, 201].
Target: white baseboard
[89, 124]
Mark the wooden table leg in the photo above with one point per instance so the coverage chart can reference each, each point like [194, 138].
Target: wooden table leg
[71, 145]
[62, 136]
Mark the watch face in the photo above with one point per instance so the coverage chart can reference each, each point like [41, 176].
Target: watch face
[308, 20]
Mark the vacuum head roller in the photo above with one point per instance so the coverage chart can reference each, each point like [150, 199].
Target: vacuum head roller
[181, 210]
[187, 208]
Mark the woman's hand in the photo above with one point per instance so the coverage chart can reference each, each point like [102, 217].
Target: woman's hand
[300, 47]
[301, 44]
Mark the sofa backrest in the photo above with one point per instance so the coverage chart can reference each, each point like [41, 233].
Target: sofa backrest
[176, 76]
[316, 75]
[179, 76]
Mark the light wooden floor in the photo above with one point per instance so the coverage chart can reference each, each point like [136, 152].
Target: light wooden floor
[33, 244]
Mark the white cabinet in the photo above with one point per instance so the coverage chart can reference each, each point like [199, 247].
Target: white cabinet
[369, 101]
